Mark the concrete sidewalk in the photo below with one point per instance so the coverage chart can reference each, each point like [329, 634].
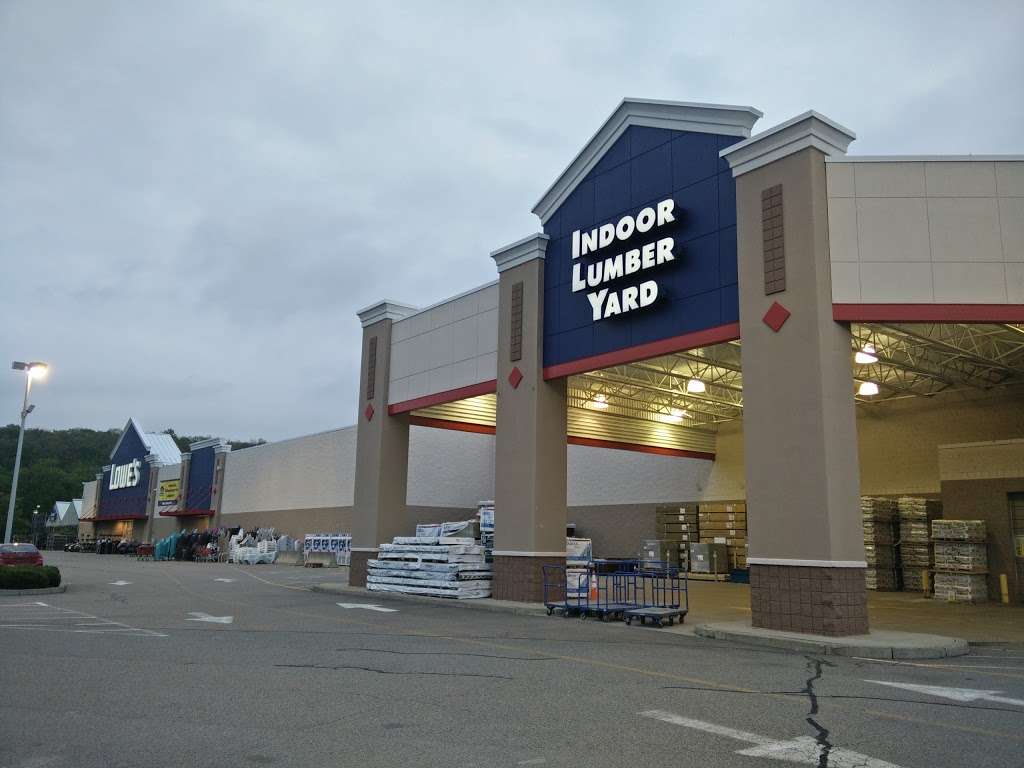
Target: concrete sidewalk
[726, 607]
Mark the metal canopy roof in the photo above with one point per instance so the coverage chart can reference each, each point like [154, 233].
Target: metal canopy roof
[913, 360]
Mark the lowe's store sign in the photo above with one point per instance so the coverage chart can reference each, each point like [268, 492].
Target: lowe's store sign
[642, 250]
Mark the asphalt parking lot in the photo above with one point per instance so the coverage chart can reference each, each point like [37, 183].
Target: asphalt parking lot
[182, 664]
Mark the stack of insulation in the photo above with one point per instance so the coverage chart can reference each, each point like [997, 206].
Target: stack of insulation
[440, 566]
[961, 560]
[916, 515]
[879, 548]
[485, 515]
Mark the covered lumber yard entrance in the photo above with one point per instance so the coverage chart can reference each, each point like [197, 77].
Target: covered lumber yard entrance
[757, 356]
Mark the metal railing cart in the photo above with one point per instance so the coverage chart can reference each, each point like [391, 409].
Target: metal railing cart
[662, 594]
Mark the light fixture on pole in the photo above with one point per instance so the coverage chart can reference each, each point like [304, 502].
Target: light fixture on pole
[32, 371]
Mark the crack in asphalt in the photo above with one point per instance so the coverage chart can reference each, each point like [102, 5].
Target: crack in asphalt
[821, 733]
[820, 696]
[449, 653]
[341, 667]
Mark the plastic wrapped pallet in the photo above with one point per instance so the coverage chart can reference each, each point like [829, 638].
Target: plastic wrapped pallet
[959, 530]
[961, 587]
[439, 566]
[916, 515]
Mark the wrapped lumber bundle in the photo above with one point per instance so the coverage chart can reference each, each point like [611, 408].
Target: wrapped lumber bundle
[440, 566]
[961, 560]
[879, 547]
[961, 587]
[916, 515]
[726, 523]
[959, 530]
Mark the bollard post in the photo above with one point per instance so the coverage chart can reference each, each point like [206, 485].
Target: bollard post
[1004, 589]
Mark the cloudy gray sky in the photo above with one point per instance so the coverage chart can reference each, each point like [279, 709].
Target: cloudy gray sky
[196, 197]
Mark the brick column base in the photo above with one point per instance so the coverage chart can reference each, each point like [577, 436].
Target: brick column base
[821, 601]
[357, 568]
[521, 578]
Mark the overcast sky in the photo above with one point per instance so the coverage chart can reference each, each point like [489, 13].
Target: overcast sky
[196, 197]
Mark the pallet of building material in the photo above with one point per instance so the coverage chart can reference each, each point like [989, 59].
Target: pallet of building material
[959, 530]
[961, 587]
[961, 556]
[444, 571]
[880, 580]
[462, 593]
[722, 506]
[916, 555]
[913, 579]
[916, 508]
[878, 531]
[876, 508]
[441, 553]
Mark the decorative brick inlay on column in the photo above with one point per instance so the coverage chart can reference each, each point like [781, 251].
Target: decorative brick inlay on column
[357, 568]
[371, 368]
[773, 242]
[516, 327]
[520, 578]
[820, 601]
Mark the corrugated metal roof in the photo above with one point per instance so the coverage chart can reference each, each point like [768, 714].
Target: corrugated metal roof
[163, 447]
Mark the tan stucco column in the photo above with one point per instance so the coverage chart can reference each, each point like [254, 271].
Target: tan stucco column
[530, 449]
[800, 436]
[382, 444]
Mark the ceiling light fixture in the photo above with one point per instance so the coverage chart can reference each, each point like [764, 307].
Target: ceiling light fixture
[600, 402]
[696, 386]
[866, 355]
[867, 389]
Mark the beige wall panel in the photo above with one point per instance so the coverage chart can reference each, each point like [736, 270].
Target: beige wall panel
[449, 468]
[449, 346]
[947, 232]
[982, 461]
[303, 473]
[296, 522]
[899, 442]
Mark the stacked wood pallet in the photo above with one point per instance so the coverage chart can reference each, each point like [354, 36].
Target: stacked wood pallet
[439, 566]
[725, 523]
[677, 526]
[961, 560]
[916, 515]
[878, 517]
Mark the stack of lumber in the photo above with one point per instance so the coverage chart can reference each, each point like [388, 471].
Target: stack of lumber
[725, 523]
[961, 560]
[678, 527]
[485, 515]
[878, 516]
[916, 515]
[440, 566]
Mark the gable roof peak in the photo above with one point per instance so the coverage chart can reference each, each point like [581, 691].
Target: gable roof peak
[720, 119]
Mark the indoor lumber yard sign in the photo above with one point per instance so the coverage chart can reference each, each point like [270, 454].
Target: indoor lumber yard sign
[594, 275]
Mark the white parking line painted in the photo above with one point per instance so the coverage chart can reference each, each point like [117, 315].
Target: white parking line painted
[120, 583]
[42, 617]
[368, 607]
[200, 616]
[226, 581]
[954, 694]
[803, 749]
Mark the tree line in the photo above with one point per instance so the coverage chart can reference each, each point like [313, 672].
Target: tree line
[55, 463]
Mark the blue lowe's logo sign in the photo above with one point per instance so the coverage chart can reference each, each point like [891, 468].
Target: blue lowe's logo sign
[643, 250]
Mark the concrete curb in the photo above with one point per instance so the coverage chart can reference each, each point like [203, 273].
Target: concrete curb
[481, 604]
[877, 645]
[44, 591]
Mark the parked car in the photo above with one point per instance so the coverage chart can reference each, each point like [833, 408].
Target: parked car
[20, 554]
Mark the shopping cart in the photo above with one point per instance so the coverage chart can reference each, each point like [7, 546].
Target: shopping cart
[662, 594]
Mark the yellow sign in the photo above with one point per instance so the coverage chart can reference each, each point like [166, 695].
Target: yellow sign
[168, 494]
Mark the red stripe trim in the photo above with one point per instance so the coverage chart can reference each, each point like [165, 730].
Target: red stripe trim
[717, 335]
[458, 426]
[929, 313]
[486, 429]
[188, 513]
[639, 448]
[448, 396]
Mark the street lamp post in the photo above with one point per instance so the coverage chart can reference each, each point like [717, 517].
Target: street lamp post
[32, 371]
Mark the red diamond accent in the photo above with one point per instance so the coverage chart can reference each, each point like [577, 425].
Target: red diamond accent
[776, 316]
[369, 412]
[515, 377]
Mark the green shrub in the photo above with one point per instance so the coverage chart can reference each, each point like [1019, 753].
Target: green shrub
[53, 574]
[23, 577]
